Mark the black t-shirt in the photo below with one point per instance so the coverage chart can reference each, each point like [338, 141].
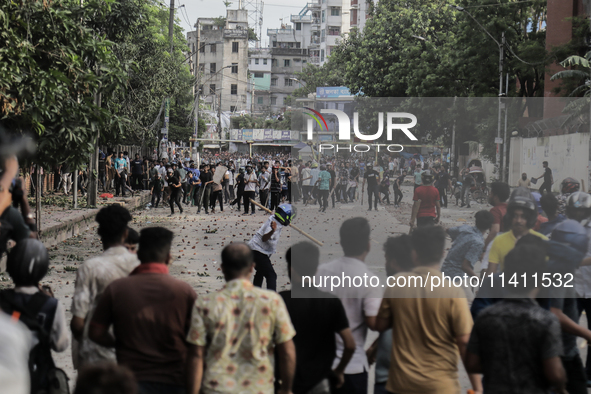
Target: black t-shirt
[354, 173]
[275, 182]
[316, 320]
[240, 182]
[372, 177]
[443, 180]
[136, 167]
[400, 180]
[157, 185]
[548, 175]
[102, 166]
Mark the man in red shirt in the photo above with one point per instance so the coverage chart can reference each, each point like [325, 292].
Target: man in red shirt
[426, 208]
[499, 193]
[150, 312]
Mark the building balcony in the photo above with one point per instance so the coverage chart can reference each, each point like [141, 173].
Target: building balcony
[314, 60]
[289, 51]
[315, 5]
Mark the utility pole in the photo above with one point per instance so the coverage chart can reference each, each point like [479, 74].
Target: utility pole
[93, 170]
[498, 157]
[452, 156]
[171, 24]
[505, 141]
[220, 117]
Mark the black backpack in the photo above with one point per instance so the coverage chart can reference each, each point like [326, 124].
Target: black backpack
[37, 312]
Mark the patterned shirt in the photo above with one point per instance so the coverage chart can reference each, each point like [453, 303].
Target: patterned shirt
[240, 326]
[468, 244]
[91, 280]
[503, 328]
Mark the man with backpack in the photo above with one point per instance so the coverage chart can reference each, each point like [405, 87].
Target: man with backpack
[38, 310]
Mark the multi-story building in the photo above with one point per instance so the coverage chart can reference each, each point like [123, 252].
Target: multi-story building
[288, 57]
[259, 65]
[220, 60]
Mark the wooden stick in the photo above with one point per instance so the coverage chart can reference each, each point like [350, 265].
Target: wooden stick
[291, 225]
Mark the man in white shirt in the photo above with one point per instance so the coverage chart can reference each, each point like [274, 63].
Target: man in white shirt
[361, 303]
[264, 186]
[93, 276]
[314, 173]
[307, 182]
[250, 179]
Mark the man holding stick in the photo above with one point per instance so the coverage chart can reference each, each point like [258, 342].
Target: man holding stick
[264, 186]
[264, 244]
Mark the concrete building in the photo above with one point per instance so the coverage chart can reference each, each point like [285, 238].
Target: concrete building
[288, 57]
[259, 65]
[220, 60]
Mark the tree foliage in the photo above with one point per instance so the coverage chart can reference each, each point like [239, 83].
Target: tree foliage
[48, 64]
[55, 56]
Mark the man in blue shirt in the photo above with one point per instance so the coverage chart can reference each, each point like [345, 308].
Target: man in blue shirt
[467, 246]
[122, 169]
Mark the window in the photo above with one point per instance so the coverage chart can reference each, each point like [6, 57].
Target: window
[323, 15]
[258, 75]
[212, 68]
[256, 61]
[213, 48]
[273, 81]
[322, 55]
[334, 31]
[234, 89]
[234, 68]
[235, 47]
[202, 48]
[288, 82]
[273, 100]
[274, 44]
[201, 67]
[274, 62]
[193, 48]
[322, 35]
[265, 62]
[286, 63]
[335, 11]
[232, 108]
[353, 17]
[298, 26]
[260, 100]
[212, 88]
[298, 45]
[200, 90]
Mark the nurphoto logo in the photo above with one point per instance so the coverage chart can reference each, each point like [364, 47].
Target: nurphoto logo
[345, 129]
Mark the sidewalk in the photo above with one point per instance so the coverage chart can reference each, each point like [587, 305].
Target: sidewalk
[59, 224]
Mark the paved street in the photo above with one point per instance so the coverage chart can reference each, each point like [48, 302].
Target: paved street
[199, 240]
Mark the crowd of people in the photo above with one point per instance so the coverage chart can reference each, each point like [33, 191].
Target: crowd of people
[137, 329]
[275, 179]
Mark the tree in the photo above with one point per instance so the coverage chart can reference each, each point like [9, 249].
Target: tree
[47, 77]
[155, 74]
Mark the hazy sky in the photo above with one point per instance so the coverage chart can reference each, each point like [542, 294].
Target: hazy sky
[273, 10]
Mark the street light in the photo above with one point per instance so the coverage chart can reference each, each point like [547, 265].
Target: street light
[501, 53]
